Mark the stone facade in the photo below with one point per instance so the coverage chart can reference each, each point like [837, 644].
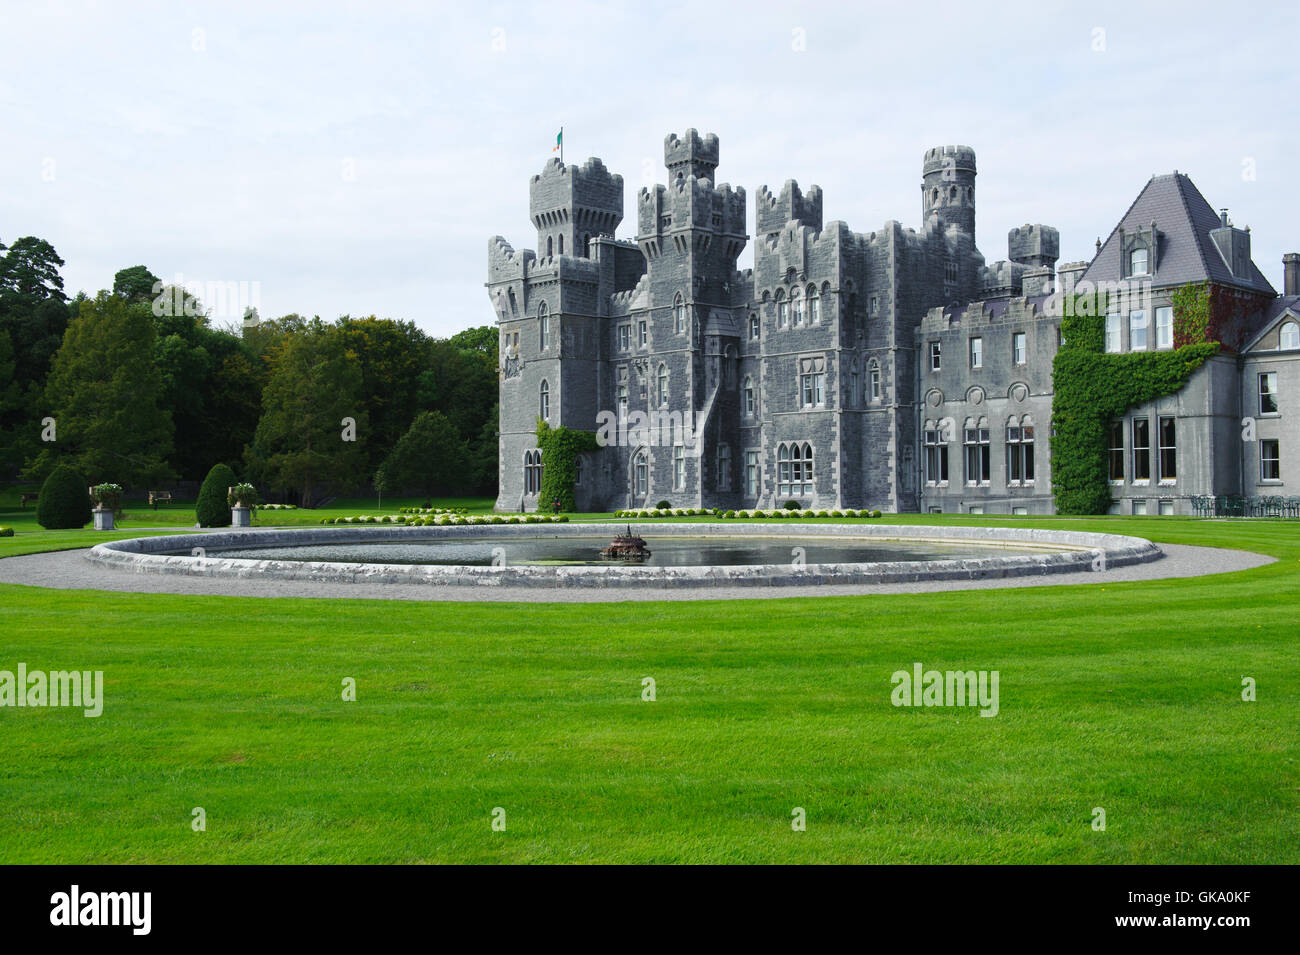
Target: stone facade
[891, 369]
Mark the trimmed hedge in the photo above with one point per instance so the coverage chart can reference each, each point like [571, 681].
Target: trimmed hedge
[212, 509]
[64, 503]
[6, 532]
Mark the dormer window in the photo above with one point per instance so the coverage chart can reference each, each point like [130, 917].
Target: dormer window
[1138, 262]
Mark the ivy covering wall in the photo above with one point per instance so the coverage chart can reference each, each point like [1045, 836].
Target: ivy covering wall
[1092, 387]
[560, 449]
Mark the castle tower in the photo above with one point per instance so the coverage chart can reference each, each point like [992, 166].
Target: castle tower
[948, 187]
[691, 155]
[571, 205]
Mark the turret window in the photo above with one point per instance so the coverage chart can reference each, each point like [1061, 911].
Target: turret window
[544, 401]
[679, 315]
[543, 327]
[663, 385]
[796, 300]
[814, 306]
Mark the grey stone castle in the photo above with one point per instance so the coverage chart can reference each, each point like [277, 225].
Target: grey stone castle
[893, 369]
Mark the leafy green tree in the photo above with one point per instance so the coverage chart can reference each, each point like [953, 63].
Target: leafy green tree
[64, 503]
[212, 509]
[103, 393]
[391, 355]
[430, 456]
[12, 413]
[33, 308]
[135, 284]
[301, 441]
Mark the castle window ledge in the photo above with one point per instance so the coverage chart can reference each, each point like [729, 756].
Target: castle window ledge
[1171, 482]
[1119, 483]
[1269, 482]
[1269, 414]
[1142, 482]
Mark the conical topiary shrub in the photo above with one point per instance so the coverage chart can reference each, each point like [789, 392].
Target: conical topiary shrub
[64, 502]
[212, 508]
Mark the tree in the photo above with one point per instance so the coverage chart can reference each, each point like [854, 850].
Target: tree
[430, 456]
[12, 413]
[135, 284]
[64, 503]
[391, 355]
[103, 393]
[302, 440]
[212, 509]
[33, 308]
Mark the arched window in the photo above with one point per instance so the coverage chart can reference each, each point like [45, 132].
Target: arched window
[1138, 262]
[642, 472]
[747, 397]
[753, 328]
[724, 468]
[873, 380]
[532, 472]
[679, 314]
[782, 309]
[796, 300]
[814, 306]
[1289, 337]
[794, 470]
[662, 392]
[543, 327]
[548, 246]
[544, 401]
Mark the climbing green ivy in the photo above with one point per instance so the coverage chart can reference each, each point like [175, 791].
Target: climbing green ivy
[560, 449]
[1091, 388]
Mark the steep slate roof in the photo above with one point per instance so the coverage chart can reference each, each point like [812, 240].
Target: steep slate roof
[1187, 253]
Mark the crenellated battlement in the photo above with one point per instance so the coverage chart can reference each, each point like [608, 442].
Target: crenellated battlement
[772, 212]
[504, 263]
[1034, 245]
[691, 203]
[575, 201]
[940, 158]
[691, 155]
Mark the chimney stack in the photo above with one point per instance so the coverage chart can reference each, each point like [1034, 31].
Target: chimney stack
[1291, 273]
[1223, 218]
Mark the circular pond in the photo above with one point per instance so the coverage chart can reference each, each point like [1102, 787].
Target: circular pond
[682, 555]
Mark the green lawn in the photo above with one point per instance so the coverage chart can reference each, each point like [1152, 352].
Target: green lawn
[1120, 696]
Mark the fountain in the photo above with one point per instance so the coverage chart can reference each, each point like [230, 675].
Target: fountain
[626, 547]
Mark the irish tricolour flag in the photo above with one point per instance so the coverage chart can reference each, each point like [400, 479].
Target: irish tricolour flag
[559, 140]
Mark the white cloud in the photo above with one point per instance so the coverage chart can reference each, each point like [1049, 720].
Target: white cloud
[224, 158]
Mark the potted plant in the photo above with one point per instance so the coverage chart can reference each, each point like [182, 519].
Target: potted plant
[243, 504]
[106, 499]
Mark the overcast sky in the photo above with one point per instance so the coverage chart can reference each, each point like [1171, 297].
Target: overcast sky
[356, 158]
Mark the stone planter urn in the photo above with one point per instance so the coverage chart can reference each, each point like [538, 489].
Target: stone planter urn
[241, 516]
[103, 518]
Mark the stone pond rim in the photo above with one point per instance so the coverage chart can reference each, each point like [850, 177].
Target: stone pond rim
[1075, 551]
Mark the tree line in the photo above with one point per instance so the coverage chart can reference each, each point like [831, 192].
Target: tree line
[137, 386]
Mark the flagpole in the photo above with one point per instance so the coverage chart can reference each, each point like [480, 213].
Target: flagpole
[561, 145]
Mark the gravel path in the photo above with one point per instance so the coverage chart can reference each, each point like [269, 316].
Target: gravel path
[70, 570]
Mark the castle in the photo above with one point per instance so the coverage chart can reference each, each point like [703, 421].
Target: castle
[893, 369]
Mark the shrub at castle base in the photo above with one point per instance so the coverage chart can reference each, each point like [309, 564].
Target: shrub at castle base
[212, 508]
[64, 503]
